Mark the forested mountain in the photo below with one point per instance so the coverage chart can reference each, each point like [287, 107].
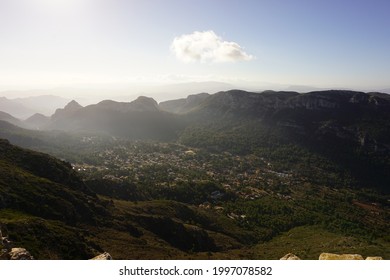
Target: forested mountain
[41, 200]
[47, 208]
[349, 129]
[235, 174]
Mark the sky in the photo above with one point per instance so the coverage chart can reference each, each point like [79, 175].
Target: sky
[257, 43]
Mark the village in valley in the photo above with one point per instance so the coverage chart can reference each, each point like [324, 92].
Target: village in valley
[170, 164]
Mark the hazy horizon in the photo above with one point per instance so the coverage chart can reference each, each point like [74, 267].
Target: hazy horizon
[137, 45]
[164, 92]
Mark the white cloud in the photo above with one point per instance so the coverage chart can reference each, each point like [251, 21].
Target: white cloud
[207, 47]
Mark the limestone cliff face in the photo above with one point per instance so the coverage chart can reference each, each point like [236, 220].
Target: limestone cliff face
[273, 104]
[313, 102]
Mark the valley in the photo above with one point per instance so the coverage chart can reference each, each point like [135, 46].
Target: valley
[234, 175]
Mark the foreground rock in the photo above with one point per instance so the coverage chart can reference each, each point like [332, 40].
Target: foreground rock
[9, 253]
[105, 256]
[290, 257]
[329, 256]
[374, 258]
[19, 254]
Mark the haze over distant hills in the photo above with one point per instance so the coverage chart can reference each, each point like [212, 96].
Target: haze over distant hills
[24, 108]
[386, 90]
[23, 104]
[141, 118]
[354, 123]
[108, 115]
[15, 109]
[89, 94]
[8, 118]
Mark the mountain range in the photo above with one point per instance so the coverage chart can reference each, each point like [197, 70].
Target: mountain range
[334, 145]
[267, 104]
[362, 118]
[351, 129]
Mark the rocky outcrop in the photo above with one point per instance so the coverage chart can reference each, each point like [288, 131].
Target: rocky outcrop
[374, 258]
[290, 257]
[10, 253]
[20, 254]
[103, 257]
[330, 256]
[15, 254]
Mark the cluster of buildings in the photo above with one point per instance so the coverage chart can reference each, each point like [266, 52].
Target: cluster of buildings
[168, 164]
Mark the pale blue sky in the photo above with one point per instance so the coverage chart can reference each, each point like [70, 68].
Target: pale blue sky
[343, 43]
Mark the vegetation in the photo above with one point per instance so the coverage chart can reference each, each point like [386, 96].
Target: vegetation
[238, 178]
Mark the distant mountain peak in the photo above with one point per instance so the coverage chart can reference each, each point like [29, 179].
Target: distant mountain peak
[37, 121]
[145, 99]
[39, 115]
[69, 109]
[143, 103]
[73, 105]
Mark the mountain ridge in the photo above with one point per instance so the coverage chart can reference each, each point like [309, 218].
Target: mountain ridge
[183, 105]
[349, 128]
[11, 119]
